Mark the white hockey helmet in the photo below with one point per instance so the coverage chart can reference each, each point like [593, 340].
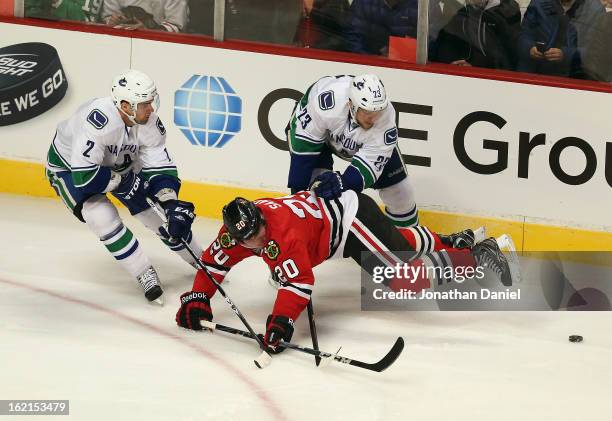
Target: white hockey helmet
[367, 92]
[134, 87]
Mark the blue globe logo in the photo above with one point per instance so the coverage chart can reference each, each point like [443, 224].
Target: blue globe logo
[207, 111]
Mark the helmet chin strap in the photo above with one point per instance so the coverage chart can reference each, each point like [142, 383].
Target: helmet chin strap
[132, 118]
[353, 112]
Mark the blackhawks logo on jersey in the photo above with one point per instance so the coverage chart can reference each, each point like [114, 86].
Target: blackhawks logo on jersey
[226, 241]
[272, 250]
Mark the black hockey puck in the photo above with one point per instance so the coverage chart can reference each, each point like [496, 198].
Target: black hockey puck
[32, 81]
[575, 338]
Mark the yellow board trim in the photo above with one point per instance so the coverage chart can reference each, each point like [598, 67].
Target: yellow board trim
[27, 178]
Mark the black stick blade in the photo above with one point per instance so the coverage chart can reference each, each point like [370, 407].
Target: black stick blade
[386, 361]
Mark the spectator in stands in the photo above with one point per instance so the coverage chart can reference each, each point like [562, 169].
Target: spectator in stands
[324, 24]
[484, 33]
[598, 54]
[164, 15]
[444, 11]
[270, 21]
[554, 34]
[373, 21]
[77, 10]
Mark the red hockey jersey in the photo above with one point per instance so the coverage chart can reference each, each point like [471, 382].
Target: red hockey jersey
[301, 232]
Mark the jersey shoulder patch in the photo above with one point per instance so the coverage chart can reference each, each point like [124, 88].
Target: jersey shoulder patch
[391, 136]
[226, 241]
[326, 100]
[97, 119]
[160, 126]
[272, 250]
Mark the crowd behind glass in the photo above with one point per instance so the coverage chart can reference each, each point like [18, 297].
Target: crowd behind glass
[570, 38]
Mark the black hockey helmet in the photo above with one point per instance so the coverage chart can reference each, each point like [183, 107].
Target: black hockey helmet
[242, 218]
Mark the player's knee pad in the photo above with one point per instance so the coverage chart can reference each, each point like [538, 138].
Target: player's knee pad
[400, 203]
[101, 216]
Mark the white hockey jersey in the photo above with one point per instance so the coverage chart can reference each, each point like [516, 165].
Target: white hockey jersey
[96, 136]
[322, 117]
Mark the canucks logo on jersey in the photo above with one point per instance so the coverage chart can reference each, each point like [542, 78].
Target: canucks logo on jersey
[97, 119]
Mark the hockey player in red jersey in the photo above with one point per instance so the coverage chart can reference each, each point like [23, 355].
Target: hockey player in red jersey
[293, 234]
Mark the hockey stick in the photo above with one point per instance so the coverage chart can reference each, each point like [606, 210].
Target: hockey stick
[311, 321]
[264, 359]
[313, 331]
[378, 366]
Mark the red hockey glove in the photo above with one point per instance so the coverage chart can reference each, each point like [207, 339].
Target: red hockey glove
[278, 328]
[195, 306]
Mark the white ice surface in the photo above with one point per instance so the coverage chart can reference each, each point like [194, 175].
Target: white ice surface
[74, 326]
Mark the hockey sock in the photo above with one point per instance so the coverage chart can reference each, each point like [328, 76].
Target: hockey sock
[124, 247]
[404, 220]
[422, 239]
[103, 219]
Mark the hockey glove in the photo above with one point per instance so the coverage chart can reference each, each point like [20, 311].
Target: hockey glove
[328, 185]
[278, 328]
[180, 216]
[195, 306]
[130, 187]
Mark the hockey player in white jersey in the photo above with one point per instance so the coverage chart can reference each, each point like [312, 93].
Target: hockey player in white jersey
[352, 118]
[117, 145]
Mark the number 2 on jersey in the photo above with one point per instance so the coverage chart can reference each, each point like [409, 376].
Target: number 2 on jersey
[308, 204]
[90, 146]
[287, 270]
[218, 255]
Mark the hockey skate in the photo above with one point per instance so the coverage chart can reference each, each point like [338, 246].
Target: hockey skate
[506, 244]
[488, 255]
[149, 281]
[465, 239]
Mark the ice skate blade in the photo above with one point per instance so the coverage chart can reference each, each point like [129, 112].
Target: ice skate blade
[158, 301]
[506, 245]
